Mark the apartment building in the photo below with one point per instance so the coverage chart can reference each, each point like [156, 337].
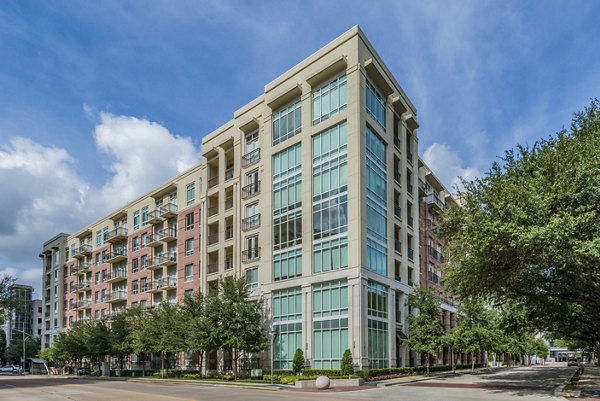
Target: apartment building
[311, 192]
[435, 200]
[312, 195]
[53, 279]
[18, 321]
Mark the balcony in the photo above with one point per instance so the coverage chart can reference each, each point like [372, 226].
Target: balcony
[83, 267]
[167, 234]
[410, 221]
[167, 283]
[155, 262]
[422, 187]
[83, 251]
[251, 222]
[409, 156]
[397, 177]
[397, 142]
[116, 296]
[433, 278]
[46, 314]
[251, 255]
[213, 267]
[411, 253]
[116, 276]
[435, 201]
[73, 271]
[251, 190]
[168, 211]
[168, 260]
[213, 182]
[212, 239]
[229, 262]
[213, 210]
[83, 304]
[48, 266]
[250, 158]
[409, 188]
[398, 212]
[117, 255]
[154, 217]
[434, 253]
[116, 235]
[228, 233]
[398, 246]
[47, 283]
[153, 240]
[83, 286]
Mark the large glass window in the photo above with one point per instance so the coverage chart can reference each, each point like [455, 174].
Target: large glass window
[287, 230]
[287, 179]
[287, 324]
[375, 104]
[144, 215]
[330, 199]
[252, 278]
[378, 338]
[287, 122]
[136, 220]
[287, 264]
[329, 99]
[376, 203]
[330, 328]
[190, 193]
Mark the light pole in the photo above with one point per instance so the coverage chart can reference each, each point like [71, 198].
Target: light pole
[25, 335]
[272, 333]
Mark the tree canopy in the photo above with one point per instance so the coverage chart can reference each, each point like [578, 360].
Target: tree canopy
[528, 232]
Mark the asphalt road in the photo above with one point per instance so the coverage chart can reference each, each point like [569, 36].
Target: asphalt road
[522, 384]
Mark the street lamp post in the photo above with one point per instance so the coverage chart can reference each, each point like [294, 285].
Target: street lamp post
[272, 333]
[25, 336]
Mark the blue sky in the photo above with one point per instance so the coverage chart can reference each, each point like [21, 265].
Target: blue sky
[89, 91]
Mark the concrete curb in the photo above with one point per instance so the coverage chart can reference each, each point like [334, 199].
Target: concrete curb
[419, 378]
[562, 391]
[250, 386]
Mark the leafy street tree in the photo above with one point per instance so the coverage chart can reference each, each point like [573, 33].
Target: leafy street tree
[474, 332]
[120, 337]
[241, 320]
[528, 232]
[346, 365]
[425, 330]
[6, 295]
[202, 317]
[298, 361]
[14, 353]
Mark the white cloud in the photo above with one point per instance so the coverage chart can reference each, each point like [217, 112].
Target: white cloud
[448, 166]
[43, 194]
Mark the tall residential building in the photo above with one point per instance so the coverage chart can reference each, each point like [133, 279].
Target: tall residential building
[53, 258]
[18, 320]
[37, 318]
[310, 192]
[435, 200]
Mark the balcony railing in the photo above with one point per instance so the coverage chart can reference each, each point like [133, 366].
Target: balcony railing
[213, 267]
[434, 253]
[116, 296]
[409, 188]
[409, 156]
[82, 286]
[117, 255]
[229, 203]
[167, 234]
[213, 210]
[397, 142]
[48, 266]
[118, 234]
[397, 176]
[164, 283]
[153, 240]
[83, 267]
[411, 253]
[398, 246]
[229, 174]
[422, 185]
[117, 275]
[251, 222]
[83, 251]
[214, 181]
[212, 239]
[251, 157]
[410, 221]
[83, 304]
[229, 262]
[47, 283]
[251, 255]
[398, 211]
[169, 210]
[433, 199]
[433, 277]
[229, 232]
[250, 190]
[154, 216]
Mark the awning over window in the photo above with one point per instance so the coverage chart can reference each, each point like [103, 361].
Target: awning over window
[400, 335]
[37, 360]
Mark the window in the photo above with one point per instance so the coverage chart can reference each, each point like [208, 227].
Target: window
[144, 215]
[329, 99]
[251, 142]
[376, 204]
[375, 104]
[96, 297]
[287, 324]
[190, 193]
[144, 262]
[287, 264]
[135, 265]
[189, 247]
[136, 220]
[287, 122]
[105, 234]
[97, 278]
[330, 327]
[143, 284]
[189, 221]
[104, 275]
[287, 180]
[135, 287]
[98, 238]
[377, 309]
[287, 230]
[144, 239]
[252, 278]
[143, 304]
[97, 259]
[135, 243]
[189, 273]
[104, 256]
[103, 295]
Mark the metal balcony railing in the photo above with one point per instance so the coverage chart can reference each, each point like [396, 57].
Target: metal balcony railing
[409, 221]
[251, 255]
[250, 190]
[434, 253]
[398, 246]
[251, 222]
[118, 234]
[433, 199]
[251, 157]
[229, 174]
[229, 262]
[229, 203]
[397, 141]
[229, 232]
[398, 211]
[214, 181]
[411, 253]
[213, 267]
[169, 210]
[397, 176]
[212, 239]
[213, 210]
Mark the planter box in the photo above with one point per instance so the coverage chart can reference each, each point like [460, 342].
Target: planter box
[332, 384]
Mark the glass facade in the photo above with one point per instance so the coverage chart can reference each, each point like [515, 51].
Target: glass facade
[252, 278]
[378, 337]
[376, 204]
[330, 327]
[329, 99]
[287, 324]
[375, 104]
[287, 213]
[287, 122]
[330, 199]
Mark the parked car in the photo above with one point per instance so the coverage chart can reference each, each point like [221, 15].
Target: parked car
[11, 369]
[572, 362]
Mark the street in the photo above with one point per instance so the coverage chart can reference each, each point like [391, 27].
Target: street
[522, 384]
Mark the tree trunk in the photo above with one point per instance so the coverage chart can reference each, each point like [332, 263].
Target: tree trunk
[143, 360]
[427, 362]
[453, 360]
[162, 364]
[472, 361]
[201, 360]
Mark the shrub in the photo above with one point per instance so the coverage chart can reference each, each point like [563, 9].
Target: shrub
[322, 372]
[298, 361]
[347, 368]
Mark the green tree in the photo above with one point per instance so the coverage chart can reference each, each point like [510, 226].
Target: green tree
[475, 332]
[425, 331]
[528, 231]
[241, 320]
[7, 301]
[96, 340]
[346, 365]
[298, 361]
[120, 337]
[14, 352]
[202, 317]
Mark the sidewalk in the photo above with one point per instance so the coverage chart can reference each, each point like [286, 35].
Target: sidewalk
[587, 387]
[435, 375]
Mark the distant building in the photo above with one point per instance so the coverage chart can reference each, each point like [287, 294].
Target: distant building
[19, 318]
[36, 319]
